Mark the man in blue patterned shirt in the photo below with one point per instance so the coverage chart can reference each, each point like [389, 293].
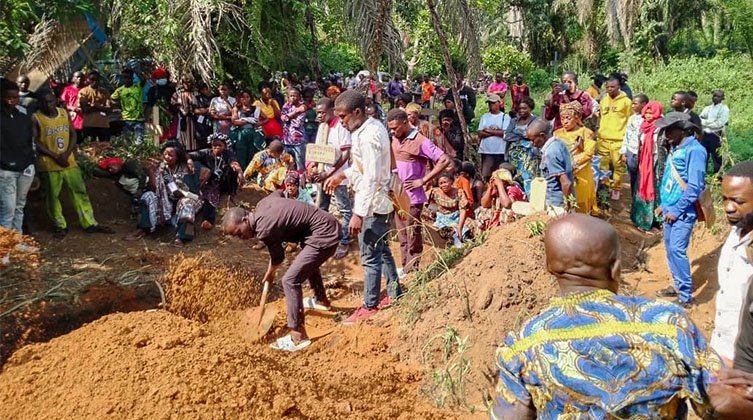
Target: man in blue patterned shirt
[596, 354]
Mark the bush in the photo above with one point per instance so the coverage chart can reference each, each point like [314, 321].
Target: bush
[505, 58]
[703, 75]
[340, 57]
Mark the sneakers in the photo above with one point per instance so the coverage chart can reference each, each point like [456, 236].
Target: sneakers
[668, 292]
[616, 195]
[385, 302]
[401, 274]
[311, 303]
[361, 314]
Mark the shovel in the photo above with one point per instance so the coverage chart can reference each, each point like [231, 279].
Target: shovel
[257, 321]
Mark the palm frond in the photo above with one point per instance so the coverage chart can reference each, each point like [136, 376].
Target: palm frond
[462, 20]
[370, 23]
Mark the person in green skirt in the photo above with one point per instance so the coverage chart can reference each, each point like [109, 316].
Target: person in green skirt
[650, 169]
[246, 137]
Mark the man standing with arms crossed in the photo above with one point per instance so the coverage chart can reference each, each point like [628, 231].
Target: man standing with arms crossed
[369, 176]
[413, 151]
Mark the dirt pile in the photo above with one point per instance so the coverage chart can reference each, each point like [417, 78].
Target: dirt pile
[158, 365]
[19, 256]
[491, 291]
[203, 288]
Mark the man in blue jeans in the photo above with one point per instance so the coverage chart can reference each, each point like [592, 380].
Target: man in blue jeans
[682, 183]
[331, 132]
[369, 176]
[16, 156]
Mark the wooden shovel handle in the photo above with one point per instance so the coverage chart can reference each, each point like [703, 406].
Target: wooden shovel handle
[263, 302]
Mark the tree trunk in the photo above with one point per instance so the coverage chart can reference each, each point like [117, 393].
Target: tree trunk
[315, 63]
[437, 23]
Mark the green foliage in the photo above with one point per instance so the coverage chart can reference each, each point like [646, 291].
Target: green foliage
[506, 58]
[340, 57]
[724, 71]
[18, 17]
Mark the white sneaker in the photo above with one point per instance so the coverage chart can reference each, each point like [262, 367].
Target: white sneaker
[311, 303]
[401, 274]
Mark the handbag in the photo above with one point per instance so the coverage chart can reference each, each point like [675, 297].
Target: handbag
[704, 205]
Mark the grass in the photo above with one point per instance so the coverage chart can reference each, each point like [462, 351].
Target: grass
[449, 377]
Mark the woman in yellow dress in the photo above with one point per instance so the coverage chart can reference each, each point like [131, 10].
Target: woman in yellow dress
[582, 144]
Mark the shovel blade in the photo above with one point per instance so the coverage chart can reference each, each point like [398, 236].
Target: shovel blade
[251, 327]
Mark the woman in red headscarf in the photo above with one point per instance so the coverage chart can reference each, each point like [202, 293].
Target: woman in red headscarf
[649, 168]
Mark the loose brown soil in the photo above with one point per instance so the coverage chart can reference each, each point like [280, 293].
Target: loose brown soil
[193, 362]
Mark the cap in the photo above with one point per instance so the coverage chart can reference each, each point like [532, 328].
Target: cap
[680, 119]
[493, 98]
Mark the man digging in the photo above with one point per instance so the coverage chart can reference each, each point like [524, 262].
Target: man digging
[277, 220]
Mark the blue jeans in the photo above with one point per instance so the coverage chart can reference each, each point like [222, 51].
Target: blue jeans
[298, 152]
[342, 201]
[136, 127]
[14, 186]
[375, 258]
[632, 166]
[676, 241]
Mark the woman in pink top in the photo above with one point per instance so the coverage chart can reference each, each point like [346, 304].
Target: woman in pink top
[499, 87]
[70, 99]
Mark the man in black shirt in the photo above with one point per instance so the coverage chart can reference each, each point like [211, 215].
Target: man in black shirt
[744, 343]
[277, 220]
[16, 156]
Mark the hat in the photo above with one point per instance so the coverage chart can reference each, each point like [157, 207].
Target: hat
[107, 162]
[675, 118]
[493, 98]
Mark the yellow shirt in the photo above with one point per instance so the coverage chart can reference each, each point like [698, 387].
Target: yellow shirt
[614, 117]
[267, 110]
[54, 134]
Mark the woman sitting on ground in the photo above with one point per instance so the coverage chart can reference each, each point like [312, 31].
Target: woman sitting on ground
[501, 192]
[223, 176]
[452, 210]
[293, 189]
[581, 142]
[245, 135]
[172, 196]
[270, 166]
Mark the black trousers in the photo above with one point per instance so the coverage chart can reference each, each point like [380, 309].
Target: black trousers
[712, 142]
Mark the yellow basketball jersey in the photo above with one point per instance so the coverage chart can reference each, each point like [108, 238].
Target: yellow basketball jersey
[54, 134]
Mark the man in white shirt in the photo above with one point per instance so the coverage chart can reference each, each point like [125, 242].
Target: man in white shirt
[491, 131]
[369, 176]
[735, 265]
[714, 119]
[332, 133]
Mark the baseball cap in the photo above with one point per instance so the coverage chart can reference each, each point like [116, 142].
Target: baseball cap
[675, 118]
[493, 98]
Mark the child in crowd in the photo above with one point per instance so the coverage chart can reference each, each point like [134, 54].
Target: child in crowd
[464, 180]
[270, 165]
[452, 210]
[501, 192]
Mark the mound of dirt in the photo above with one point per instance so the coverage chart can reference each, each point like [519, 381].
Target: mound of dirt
[203, 288]
[158, 365]
[496, 287]
[19, 257]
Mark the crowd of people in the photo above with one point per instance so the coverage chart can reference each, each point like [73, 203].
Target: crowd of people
[409, 169]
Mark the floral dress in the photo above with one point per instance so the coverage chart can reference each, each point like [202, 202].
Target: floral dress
[448, 210]
[487, 218]
[521, 154]
[164, 205]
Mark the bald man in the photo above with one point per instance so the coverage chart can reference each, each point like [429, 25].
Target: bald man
[595, 354]
[556, 165]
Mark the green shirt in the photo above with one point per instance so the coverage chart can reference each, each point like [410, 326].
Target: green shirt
[132, 109]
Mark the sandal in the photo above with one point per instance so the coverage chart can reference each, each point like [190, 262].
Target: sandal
[178, 243]
[341, 252]
[286, 344]
[311, 303]
[135, 236]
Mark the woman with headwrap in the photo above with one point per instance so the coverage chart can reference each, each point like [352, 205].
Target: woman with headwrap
[172, 197]
[224, 176]
[651, 159]
[582, 145]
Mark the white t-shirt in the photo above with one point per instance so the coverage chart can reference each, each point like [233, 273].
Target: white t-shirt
[339, 137]
[493, 145]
